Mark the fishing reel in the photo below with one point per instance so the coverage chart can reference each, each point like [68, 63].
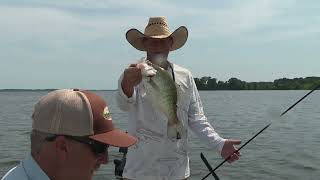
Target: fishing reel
[120, 163]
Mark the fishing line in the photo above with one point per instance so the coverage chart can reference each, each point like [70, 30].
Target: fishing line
[209, 166]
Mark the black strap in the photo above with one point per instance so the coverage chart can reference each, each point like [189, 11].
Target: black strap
[172, 72]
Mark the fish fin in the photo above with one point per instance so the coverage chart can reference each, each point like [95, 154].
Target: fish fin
[176, 131]
[181, 131]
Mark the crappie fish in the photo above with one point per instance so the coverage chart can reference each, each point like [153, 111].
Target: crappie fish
[161, 91]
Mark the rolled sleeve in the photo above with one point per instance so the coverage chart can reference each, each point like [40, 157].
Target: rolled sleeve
[199, 124]
[124, 102]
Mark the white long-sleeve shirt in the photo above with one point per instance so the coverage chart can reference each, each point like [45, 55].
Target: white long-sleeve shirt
[155, 156]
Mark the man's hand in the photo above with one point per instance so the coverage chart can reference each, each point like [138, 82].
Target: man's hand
[131, 77]
[228, 149]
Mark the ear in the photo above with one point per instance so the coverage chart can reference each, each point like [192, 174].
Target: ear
[62, 147]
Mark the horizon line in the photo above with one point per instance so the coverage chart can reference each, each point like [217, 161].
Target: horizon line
[51, 89]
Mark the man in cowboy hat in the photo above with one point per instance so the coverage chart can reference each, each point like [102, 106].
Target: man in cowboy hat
[155, 156]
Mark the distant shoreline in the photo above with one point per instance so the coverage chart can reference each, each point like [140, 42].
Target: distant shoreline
[208, 83]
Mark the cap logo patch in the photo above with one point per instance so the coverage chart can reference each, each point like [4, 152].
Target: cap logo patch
[106, 113]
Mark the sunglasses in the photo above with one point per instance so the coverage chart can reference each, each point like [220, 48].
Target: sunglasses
[96, 147]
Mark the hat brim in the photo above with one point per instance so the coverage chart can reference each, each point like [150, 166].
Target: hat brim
[179, 36]
[115, 138]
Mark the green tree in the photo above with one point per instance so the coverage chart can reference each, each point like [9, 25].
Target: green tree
[209, 83]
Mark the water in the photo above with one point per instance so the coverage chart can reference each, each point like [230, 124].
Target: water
[289, 149]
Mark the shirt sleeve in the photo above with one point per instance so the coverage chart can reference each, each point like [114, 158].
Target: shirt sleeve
[124, 102]
[198, 122]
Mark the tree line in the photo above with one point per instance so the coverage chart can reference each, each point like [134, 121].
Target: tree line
[209, 83]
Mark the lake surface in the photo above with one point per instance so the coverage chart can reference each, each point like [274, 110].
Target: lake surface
[288, 149]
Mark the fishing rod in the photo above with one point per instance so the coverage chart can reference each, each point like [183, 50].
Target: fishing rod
[209, 166]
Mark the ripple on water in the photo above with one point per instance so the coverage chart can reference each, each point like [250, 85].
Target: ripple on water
[289, 149]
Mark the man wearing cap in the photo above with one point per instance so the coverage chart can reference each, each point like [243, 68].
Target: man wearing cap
[155, 155]
[71, 132]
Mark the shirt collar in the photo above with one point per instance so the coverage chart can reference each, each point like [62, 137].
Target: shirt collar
[33, 170]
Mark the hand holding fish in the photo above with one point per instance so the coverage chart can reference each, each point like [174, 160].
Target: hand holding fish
[131, 77]
[228, 149]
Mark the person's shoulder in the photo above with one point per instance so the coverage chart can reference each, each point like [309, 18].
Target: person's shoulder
[181, 70]
[183, 76]
[15, 173]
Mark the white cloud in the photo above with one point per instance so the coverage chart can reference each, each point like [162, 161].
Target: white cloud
[239, 18]
[61, 30]
[60, 21]
[69, 17]
[50, 23]
[292, 34]
[99, 6]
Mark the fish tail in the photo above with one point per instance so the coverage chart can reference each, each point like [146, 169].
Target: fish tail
[180, 130]
[175, 130]
[172, 132]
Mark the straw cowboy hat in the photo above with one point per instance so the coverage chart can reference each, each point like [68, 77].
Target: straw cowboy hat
[157, 28]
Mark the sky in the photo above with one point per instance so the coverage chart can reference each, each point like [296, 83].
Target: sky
[82, 44]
